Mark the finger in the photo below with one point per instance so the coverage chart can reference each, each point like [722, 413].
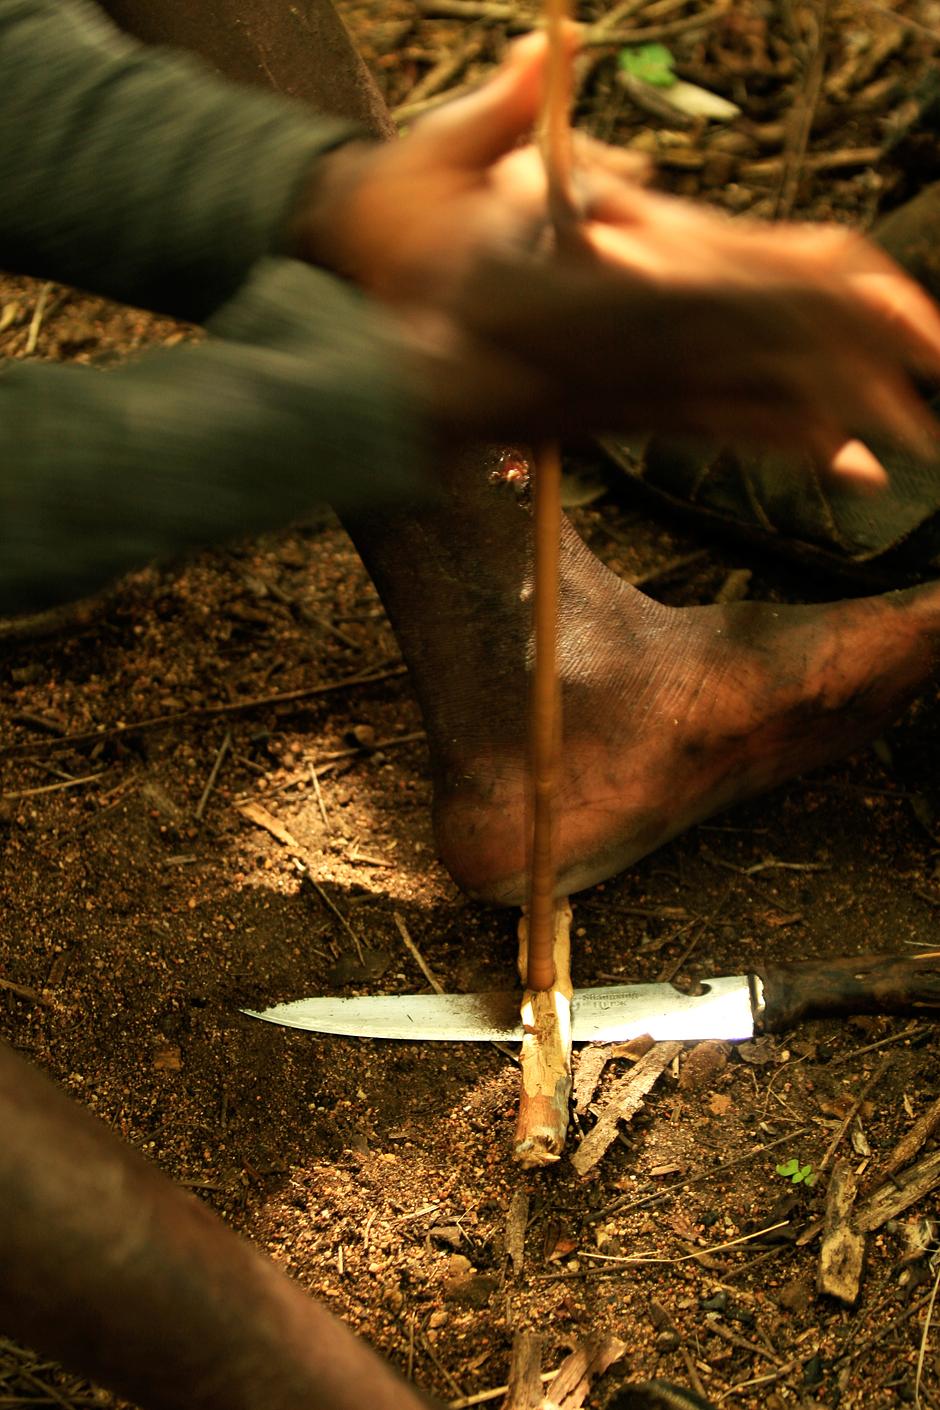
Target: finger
[852, 464]
[476, 131]
[632, 167]
[909, 309]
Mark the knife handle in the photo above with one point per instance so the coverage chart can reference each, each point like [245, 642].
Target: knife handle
[898, 984]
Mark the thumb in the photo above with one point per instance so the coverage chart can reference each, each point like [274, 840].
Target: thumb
[476, 131]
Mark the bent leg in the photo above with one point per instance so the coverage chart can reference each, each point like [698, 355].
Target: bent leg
[302, 49]
[110, 1267]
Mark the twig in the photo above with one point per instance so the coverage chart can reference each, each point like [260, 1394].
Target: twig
[328, 761]
[312, 619]
[768, 1379]
[417, 956]
[912, 1033]
[449, 68]
[516, 22]
[24, 992]
[41, 722]
[768, 864]
[855, 1109]
[911, 1142]
[407, 112]
[436, 1362]
[904, 20]
[735, 1339]
[618, 1206]
[802, 116]
[669, 971]
[32, 337]
[315, 780]
[482, 1396]
[655, 1258]
[213, 775]
[308, 880]
[922, 1350]
[200, 712]
[52, 787]
[853, 1356]
[692, 1371]
[270, 824]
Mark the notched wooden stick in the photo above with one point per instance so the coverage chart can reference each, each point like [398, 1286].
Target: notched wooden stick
[545, 1058]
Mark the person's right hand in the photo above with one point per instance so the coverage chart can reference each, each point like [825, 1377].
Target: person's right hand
[686, 322]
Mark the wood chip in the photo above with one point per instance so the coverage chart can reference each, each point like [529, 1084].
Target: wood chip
[578, 1371]
[545, 1057]
[263, 819]
[624, 1101]
[525, 1380]
[842, 1251]
[592, 1060]
[911, 1142]
[899, 1194]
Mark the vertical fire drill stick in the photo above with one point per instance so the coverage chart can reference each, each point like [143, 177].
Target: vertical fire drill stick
[546, 703]
[544, 961]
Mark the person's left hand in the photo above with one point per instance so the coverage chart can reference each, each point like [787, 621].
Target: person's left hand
[405, 219]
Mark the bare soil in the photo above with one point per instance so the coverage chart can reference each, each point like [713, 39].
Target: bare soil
[379, 1176]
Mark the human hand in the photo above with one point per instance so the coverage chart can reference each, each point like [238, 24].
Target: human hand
[682, 320]
[819, 283]
[689, 323]
[405, 220]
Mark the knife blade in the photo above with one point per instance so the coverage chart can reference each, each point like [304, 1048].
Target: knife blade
[730, 1007]
[605, 1015]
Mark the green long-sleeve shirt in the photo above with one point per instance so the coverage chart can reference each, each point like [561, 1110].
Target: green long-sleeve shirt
[138, 174]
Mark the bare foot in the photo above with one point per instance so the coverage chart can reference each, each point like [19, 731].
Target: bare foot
[682, 713]
[669, 715]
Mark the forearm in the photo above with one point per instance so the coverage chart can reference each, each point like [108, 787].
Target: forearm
[104, 471]
[116, 1272]
[137, 172]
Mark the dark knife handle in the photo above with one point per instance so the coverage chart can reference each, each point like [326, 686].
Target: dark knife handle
[899, 984]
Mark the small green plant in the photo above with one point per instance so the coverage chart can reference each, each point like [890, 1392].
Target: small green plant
[652, 63]
[797, 1173]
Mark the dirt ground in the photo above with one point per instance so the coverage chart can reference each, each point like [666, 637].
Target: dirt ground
[139, 914]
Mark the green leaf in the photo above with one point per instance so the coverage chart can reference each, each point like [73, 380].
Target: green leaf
[789, 1170]
[651, 63]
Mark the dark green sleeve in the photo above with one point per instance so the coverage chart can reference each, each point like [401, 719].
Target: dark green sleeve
[301, 399]
[136, 172]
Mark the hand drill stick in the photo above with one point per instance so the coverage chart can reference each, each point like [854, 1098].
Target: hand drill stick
[546, 699]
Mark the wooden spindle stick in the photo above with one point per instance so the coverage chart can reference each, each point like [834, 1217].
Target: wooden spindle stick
[546, 712]
[544, 934]
[540, 972]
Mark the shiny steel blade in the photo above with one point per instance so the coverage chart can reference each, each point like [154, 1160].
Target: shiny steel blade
[612, 1014]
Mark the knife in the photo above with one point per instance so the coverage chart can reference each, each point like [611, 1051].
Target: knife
[730, 1007]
